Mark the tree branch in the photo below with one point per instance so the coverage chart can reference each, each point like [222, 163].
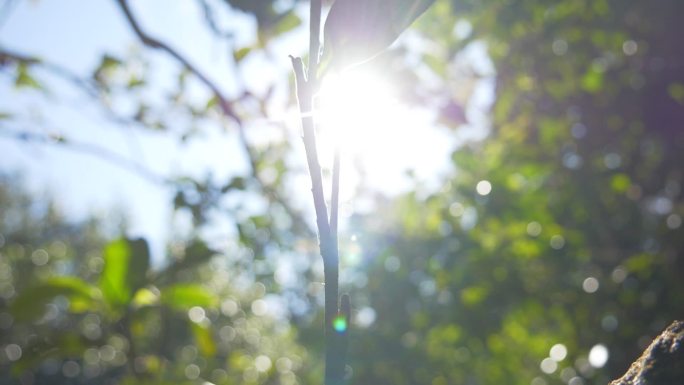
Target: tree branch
[336, 341]
[89, 87]
[89, 149]
[335, 195]
[153, 42]
[224, 103]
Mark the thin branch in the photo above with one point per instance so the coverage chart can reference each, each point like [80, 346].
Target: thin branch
[89, 149]
[335, 195]
[153, 42]
[211, 21]
[223, 102]
[314, 40]
[305, 106]
[336, 342]
[87, 86]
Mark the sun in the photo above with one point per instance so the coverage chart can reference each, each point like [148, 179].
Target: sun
[353, 108]
[359, 113]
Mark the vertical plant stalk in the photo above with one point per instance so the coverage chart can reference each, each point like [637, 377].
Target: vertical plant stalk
[335, 341]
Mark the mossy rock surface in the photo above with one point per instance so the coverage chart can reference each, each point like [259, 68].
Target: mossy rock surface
[662, 363]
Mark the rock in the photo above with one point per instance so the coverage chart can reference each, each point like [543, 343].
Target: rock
[662, 363]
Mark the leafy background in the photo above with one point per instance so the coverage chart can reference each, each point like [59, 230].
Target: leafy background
[561, 226]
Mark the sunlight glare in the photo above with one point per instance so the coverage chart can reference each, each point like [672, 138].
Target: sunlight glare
[354, 104]
[361, 115]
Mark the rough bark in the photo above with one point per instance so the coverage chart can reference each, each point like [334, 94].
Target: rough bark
[662, 363]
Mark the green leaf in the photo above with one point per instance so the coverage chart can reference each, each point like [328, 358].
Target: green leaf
[473, 295]
[30, 304]
[196, 253]
[126, 265]
[593, 80]
[211, 103]
[109, 62]
[241, 53]
[24, 79]
[184, 296]
[287, 23]
[204, 340]
[676, 92]
[620, 183]
[134, 81]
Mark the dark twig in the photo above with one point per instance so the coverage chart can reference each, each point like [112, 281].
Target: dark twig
[158, 44]
[211, 21]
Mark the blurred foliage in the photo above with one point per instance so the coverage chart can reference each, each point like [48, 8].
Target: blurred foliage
[559, 232]
[79, 308]
[579, 242]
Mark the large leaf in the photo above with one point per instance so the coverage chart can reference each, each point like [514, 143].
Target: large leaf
[357, 30]
[183, 297]
[30, 304]
[196, 253]
[125, 270]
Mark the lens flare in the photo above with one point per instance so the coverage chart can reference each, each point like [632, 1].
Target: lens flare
[340, 324]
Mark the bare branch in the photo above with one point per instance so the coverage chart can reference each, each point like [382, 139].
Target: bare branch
[89, 149]
[89, 87]
[211, 21]
[158, 44]
[224, 104]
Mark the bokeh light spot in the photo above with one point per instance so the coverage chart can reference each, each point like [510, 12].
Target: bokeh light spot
[262, 363]
[558, 352]
[598, 355]
[456, 209]
[483, 187]
[630, 47]
[192, 371]
[392, 264]
[674, 221]
[590, 285]
[40, 257]
[13, 352]
[560, 47]
[557, 242]
[365, 317]
[534, 228]
[609, 323]
[196, 314]
[548, 365]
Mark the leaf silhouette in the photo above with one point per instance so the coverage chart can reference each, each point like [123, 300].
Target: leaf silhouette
[357, 30]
